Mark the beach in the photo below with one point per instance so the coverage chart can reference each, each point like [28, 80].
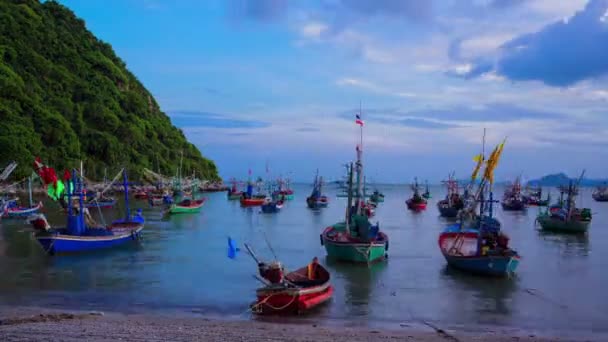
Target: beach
[34, 324]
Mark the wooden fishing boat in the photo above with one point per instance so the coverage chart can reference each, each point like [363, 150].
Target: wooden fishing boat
[13, 210]
[292, 293]
[533, 197]
[21, 212]
[81, 233]
[355, 239]
[416, 202]
[187, 206]
[427, 193]
[376, 197]
[141, 194]
[461, 249]
[600, 194]
[234, 193]
[512, 199]
[565, 217]
[453, 202]
[317, 200]
[476, 243]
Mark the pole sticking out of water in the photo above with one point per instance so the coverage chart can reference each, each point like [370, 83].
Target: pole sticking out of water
[269, 246]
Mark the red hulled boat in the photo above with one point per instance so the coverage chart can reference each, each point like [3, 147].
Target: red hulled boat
[293, 293]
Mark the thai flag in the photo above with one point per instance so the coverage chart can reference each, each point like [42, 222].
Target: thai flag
[358, 120]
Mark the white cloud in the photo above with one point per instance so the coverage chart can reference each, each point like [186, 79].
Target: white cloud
[313, 30]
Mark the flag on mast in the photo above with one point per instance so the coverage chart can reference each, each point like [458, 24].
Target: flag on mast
[358, 120]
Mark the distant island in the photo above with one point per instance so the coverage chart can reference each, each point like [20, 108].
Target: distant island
[65, 96]
[558, 179]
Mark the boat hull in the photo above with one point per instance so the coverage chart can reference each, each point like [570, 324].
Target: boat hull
[484, 265]
[352, 251]
[22, 212]
[600, 198]
[411, 205]
[234, 196]
[517, 206]
[446, 211]
[180, 209]
[548, 223]
[60, 243]
[252, 202]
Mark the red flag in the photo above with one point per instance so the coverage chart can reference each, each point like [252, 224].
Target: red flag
[358, 120]
[66, 175]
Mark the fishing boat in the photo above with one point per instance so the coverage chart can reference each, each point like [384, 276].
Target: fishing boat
[160, 199]
[14, 210]
[187, 206]
[234, 193]
[600, 194]
[534, 197]
[512, 199]
[141, 194]
[476, 243]
[248, 199]
[416, 202]
[453, 202]
[290, 293]
[566, 217]
[427, 193]
[317, 200]
[355, 239]
[274, 203]
[81, 233]
[285, 189]
[376, 197]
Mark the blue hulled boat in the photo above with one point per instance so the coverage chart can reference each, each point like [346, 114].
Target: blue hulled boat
[317, 200]
[476, 243]
[82, 234]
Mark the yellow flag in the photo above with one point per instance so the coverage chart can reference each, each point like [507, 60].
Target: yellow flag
[493, 161]
[479, 159]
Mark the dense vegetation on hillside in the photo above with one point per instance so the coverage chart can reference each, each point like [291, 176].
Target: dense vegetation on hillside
[65, 96]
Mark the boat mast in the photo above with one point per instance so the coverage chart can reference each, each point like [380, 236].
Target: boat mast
[360, 163]
[350, 196]
[126, 185]
[29, 189]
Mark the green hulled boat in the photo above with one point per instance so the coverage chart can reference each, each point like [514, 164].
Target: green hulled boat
[355, 239]
[565, 217]
[186, 206]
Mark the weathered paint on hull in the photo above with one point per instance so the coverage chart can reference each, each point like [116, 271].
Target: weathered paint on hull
[550, 224]
[488, 265]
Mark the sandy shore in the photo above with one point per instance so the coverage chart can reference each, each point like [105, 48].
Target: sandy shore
[28, 324]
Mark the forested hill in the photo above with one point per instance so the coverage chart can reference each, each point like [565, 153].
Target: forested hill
[65, 96]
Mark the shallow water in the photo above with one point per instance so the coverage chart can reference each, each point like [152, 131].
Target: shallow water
[181, 266]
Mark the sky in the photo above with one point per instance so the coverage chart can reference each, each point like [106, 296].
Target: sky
[279, 82]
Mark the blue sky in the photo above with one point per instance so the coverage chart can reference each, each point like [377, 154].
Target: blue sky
[279, 81]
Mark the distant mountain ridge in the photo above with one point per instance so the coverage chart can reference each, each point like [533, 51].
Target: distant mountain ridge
[561, 178]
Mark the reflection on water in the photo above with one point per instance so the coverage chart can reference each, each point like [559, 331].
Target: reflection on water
[568, 244]
[181, 265]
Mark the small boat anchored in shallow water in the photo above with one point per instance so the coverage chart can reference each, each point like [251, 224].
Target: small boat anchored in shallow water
[290, 293]
[476, 243]
[416, 202]
[566, 217]
[317, 200]
[355, 239]
[81, 233]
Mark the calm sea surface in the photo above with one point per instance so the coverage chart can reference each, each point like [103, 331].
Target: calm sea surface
[181, 266]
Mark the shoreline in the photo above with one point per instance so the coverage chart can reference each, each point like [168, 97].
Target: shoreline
[30, 323]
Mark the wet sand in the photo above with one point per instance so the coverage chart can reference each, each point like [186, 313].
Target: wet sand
[29, 324]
